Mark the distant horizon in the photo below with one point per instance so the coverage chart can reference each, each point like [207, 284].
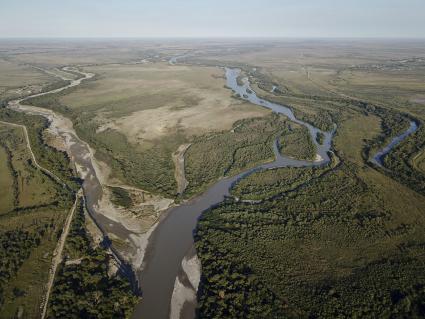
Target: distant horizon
[213, 19]
[208, 38]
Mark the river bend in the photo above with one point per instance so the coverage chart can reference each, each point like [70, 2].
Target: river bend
[173, 237]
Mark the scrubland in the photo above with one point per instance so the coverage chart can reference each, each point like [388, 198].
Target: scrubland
[136, 116]
[32, 211]
[344, 240]
[325, 242]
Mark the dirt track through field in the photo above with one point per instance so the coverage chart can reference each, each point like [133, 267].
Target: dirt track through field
[45, 170]
[57, 254]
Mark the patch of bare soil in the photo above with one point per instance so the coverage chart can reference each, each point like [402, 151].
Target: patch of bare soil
[179, 174]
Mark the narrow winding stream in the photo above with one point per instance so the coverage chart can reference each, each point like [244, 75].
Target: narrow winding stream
[378, 158]
[173, 237]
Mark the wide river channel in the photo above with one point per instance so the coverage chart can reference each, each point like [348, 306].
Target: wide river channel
[173, 237]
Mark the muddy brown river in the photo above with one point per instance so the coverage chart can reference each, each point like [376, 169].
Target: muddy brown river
[173, 237]
[82, 156]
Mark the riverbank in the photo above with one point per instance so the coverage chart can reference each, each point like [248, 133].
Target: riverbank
[378, 158]
[179, 174]
[127, 231]
[183, 299]
[173, 237]
[163, 276]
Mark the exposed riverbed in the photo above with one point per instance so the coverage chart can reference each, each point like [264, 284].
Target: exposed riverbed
[171, 241]
[173, 238]
[124, 228]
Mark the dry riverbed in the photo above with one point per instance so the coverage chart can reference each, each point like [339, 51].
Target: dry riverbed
[183, 300]
[179, 174]
[138, 222]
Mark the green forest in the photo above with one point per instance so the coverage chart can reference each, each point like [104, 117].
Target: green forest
[248, 144]
[84, 286]
[279, 258]
[32, 212]
[324, 242]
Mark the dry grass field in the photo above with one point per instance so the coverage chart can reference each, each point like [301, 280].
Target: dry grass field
[149, 101]
[18, 80]
[138, 115]
[346, 239]
[385, 72]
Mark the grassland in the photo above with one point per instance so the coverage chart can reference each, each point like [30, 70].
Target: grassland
[323, 242]
[248, 144]
[50, 54]
[136, 116]
[17, 79]
[32, 214]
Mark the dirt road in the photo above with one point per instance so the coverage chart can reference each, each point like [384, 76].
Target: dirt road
[57, 254]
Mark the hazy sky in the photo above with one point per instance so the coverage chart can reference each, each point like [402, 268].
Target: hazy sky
[212, 18]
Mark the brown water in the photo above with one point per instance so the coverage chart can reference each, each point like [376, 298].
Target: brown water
[83, 158]
[173, 237]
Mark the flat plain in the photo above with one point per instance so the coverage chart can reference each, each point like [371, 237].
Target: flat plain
[291, 242]
[32, 212]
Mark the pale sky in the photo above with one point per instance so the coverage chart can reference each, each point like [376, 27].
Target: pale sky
[212, 18]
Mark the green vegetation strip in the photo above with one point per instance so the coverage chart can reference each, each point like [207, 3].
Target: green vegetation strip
[309, 254]
[247, 145]
[270, 183]
[151, 169]
[84, 286]
[47, 156]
